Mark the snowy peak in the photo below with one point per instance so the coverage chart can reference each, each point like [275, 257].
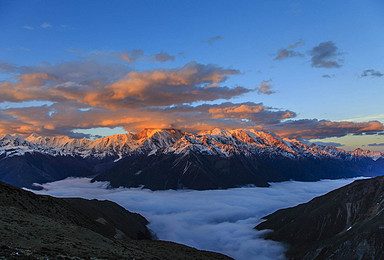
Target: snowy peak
[374, 155]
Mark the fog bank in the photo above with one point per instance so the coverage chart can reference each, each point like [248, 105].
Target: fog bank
[215, 220]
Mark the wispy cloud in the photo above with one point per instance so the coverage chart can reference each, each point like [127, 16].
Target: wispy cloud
[7, 67]
[212, 40]
[289, 52]
[163, 57]
[329, 143]
[28, 27]
[376, 144]
[73, 50]
[372, 73]
[328, 76]
[265, 88]
[46, 25]
[319, 129]
[325, 55]
[133, 55]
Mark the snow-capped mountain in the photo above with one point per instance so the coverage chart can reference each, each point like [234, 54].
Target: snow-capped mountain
[149, 141]
[172, 159]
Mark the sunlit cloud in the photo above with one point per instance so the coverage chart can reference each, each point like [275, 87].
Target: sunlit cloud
[314, 128]
[265, 88]
[133, 55]
[85, 94]
[289, 52]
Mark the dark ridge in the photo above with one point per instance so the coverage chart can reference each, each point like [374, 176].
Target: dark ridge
[347, 223]
[41, 227]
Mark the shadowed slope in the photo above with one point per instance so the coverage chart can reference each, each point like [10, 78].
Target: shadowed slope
[347, 223]
[37, 226]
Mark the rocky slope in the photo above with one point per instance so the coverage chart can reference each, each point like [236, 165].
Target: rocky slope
[42, 227]
[172, 159]
[347, 223]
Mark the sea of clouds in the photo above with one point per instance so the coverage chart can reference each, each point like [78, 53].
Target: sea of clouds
[215, 220]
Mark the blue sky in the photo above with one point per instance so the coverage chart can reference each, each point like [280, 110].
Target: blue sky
[243, 36]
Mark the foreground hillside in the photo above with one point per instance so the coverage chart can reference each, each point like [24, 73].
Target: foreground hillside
[161, 159]
[41, 227]
[347, 223]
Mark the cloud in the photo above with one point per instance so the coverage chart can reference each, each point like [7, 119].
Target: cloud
[73, 50]
[6, 67]
[217, 220]
[376, 144]
[372, 73]
[265, 88]
[85, 94]
[328, 76]
[314, 128]
[45, 25]
[212, 40]
[163, 57]
[133, 55]
[288, 52]
[329, 143]
[325, 55]
[28, 27]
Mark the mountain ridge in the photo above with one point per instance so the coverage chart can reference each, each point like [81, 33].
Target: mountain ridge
[173, 159]
[346, 223]
[149, 140]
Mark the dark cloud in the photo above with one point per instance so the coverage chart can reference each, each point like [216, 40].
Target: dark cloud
[325, 55]
[329, 143]
[328, 76]
[79, 71]
[314, 128]
[163, 57]
[288, 52]
[133, 55]
[212, 40]
[6, 67]
[265, 88]
[375, 144]
[372, 73]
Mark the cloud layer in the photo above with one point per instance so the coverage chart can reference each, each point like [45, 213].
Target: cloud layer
[85, 93]
[217, 220]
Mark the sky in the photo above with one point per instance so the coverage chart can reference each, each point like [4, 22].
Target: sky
[310, 70]
[214, 220]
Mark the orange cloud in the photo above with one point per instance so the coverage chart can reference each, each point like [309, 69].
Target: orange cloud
[87, 95]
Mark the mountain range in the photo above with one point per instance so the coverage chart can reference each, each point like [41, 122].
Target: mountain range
[172, 159]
